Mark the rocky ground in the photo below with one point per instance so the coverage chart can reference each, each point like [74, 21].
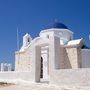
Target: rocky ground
[5, 84]
[38, 86]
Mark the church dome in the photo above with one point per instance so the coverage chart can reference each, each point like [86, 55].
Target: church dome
[56, 25]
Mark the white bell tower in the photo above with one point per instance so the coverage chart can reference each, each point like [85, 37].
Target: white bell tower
[26, 41]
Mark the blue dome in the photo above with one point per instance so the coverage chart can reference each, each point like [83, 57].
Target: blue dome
[56, 25]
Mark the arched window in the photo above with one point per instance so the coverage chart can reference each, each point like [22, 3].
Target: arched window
[28, 40]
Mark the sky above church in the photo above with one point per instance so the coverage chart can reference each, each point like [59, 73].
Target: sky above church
[33, 15]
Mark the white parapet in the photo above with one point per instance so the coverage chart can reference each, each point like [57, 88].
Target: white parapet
[6, 67]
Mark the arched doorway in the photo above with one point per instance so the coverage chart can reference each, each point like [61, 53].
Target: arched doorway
[41, 72]
[40, 60]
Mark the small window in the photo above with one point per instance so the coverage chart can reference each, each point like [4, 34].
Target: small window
[28, 40]
[47, 36]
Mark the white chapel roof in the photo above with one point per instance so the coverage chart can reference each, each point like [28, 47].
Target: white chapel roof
[75, 42]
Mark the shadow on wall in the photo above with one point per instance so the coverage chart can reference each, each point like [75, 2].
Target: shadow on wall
[67, 63]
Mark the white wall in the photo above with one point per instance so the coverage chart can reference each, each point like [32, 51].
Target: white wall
[69, 77]
[12, 75]
[75, 77]
[85, 58]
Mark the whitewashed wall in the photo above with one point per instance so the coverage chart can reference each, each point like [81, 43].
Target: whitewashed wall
[12, 75]
[85, 58]
[70, 77]
[75, 77]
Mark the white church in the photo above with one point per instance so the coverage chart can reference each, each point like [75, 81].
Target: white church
[51, 52]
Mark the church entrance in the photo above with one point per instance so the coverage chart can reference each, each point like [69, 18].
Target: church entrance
[41, 72]
[40, 61]
[44, 73]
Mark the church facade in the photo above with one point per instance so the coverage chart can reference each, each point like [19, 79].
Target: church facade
[54, 49]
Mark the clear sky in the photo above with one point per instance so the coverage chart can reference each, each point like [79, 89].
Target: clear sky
[33, 15]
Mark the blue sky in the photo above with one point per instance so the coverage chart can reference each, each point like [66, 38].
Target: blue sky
[33, 15]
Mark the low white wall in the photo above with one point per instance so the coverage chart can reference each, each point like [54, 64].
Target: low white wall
[12, 75]
[85, 58]
[75, 77]
[71, 77]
